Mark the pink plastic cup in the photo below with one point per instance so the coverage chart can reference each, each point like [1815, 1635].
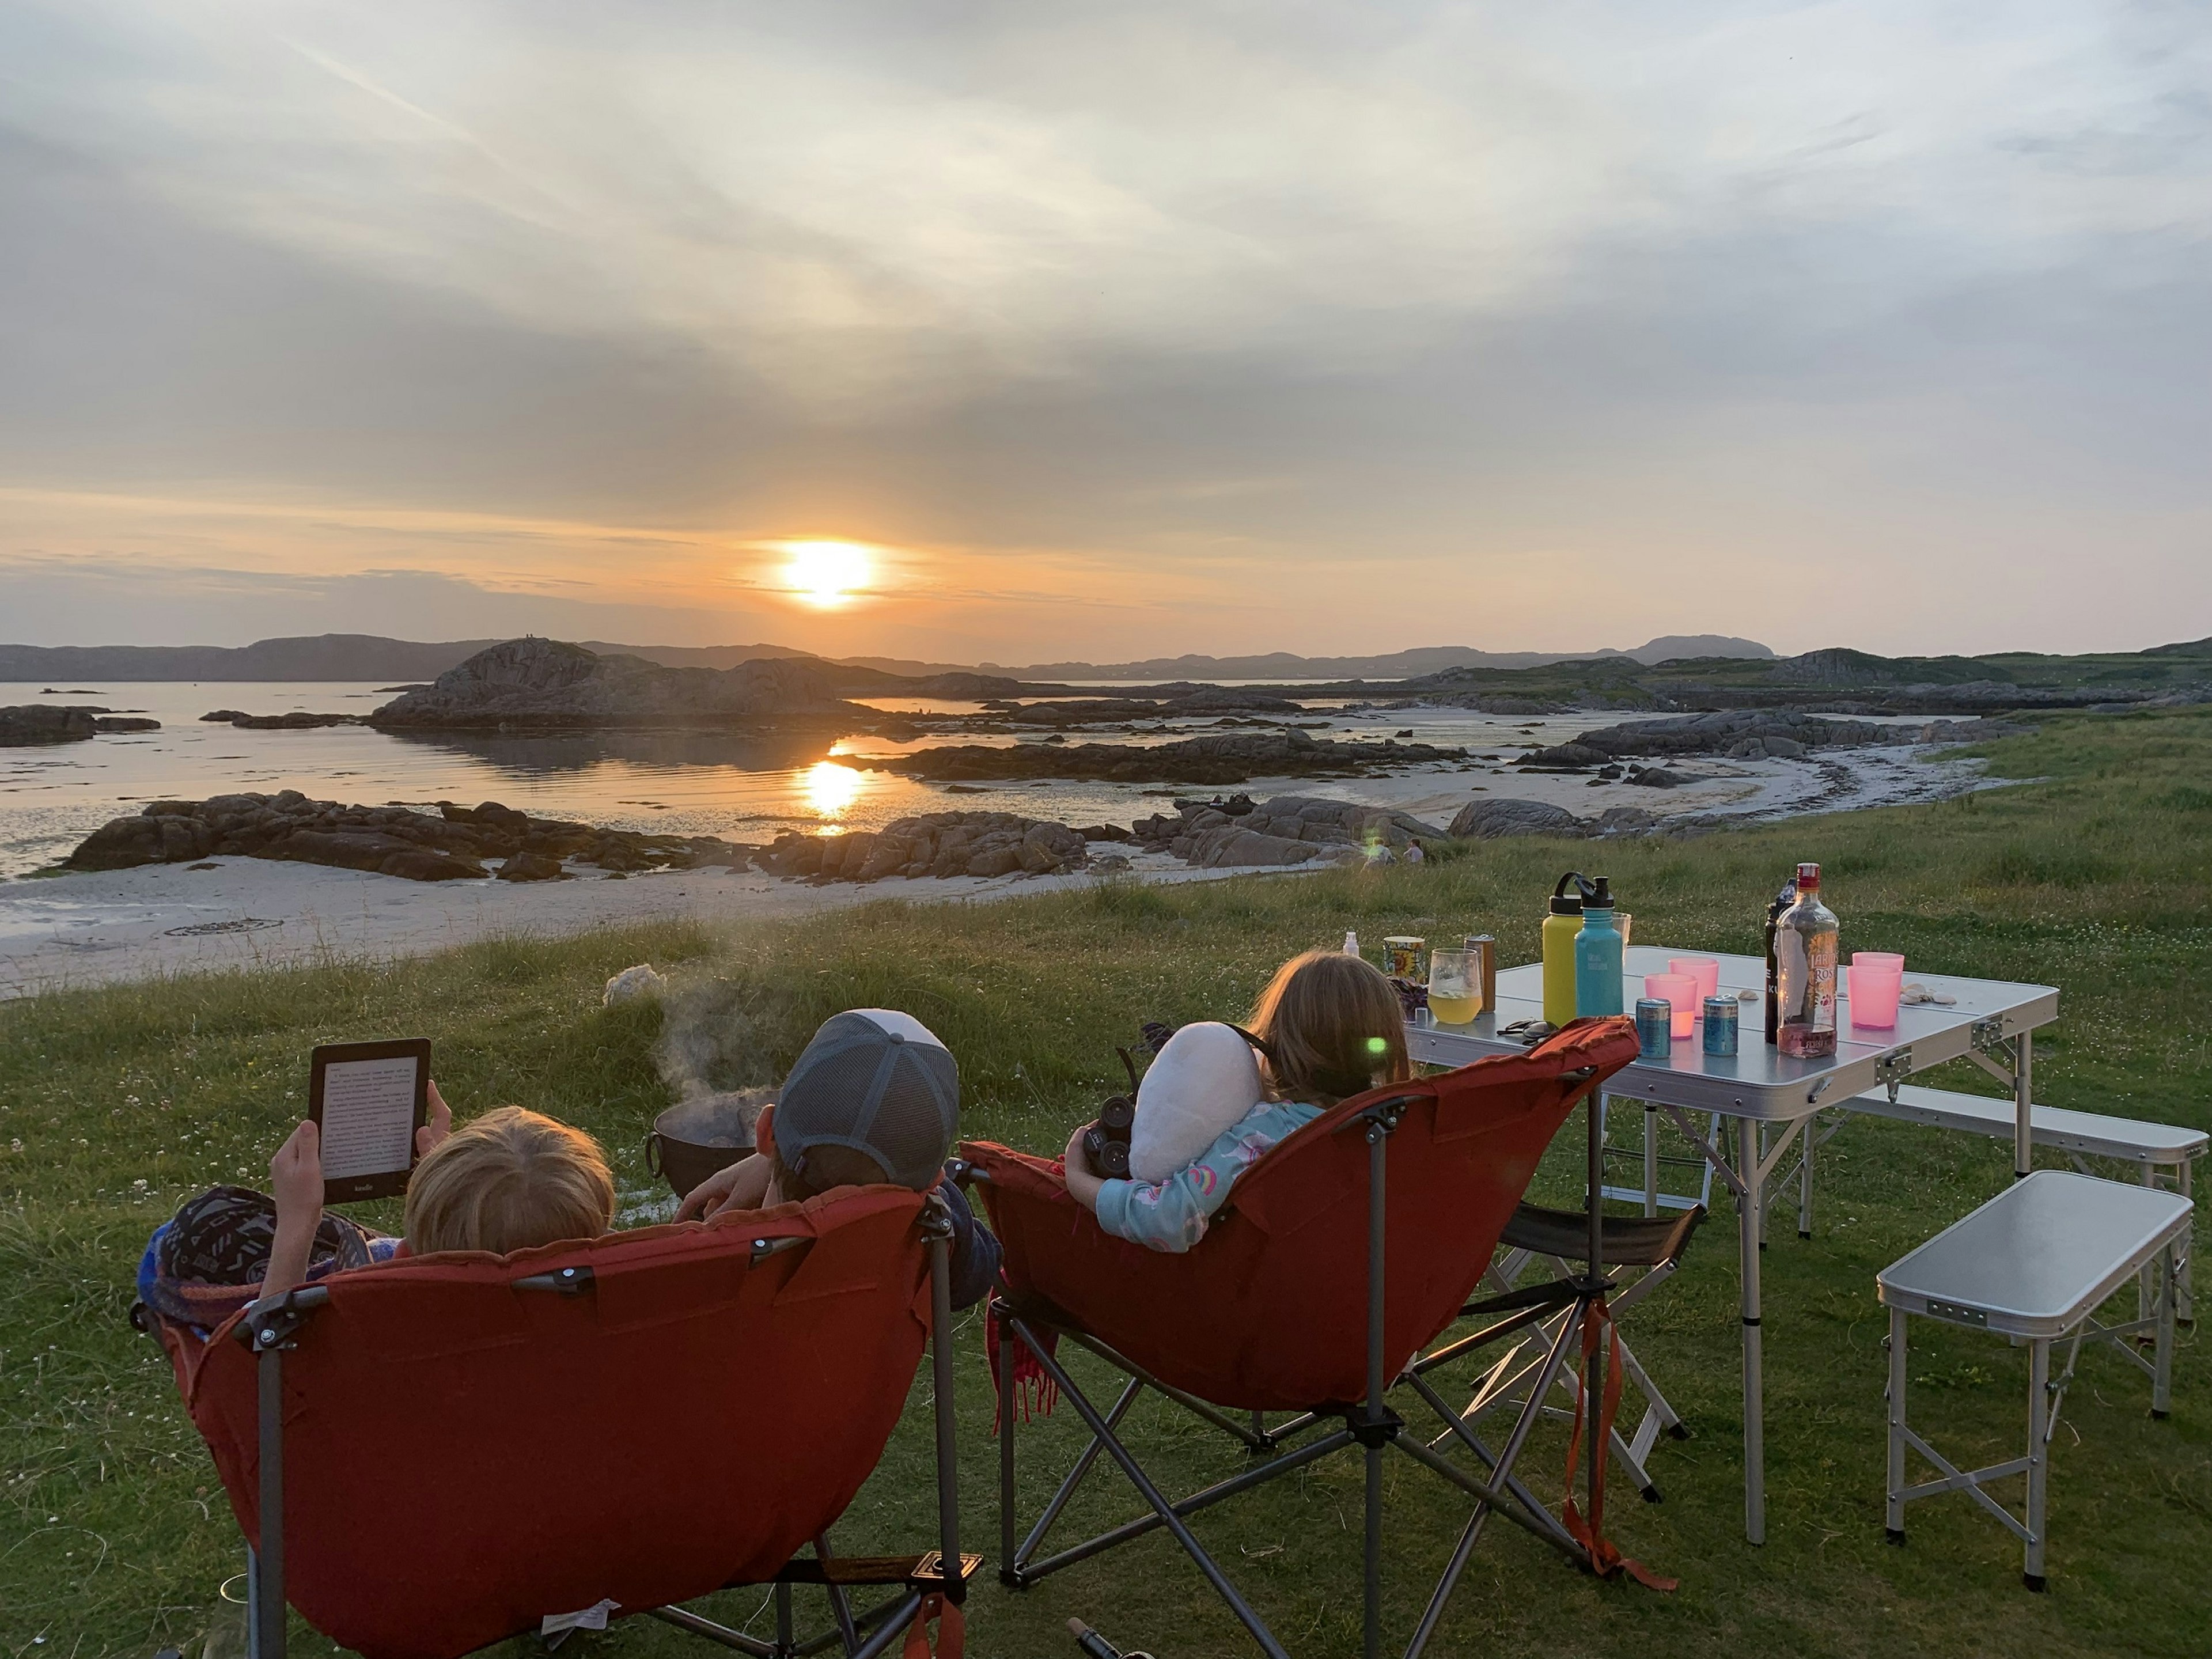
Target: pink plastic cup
[1679, 992]
[1874, 992]
[1872, 959]
[1706, 970]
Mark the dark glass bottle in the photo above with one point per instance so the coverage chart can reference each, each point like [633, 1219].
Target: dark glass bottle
[1783, 901]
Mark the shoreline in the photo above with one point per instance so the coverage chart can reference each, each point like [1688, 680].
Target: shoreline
[82, 928]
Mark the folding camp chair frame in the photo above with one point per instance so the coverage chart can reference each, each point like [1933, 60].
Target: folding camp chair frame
[271, 1329]
[1370, 1424]
[1498, 1386]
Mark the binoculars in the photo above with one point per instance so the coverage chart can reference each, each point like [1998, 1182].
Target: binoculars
[1106, 1143]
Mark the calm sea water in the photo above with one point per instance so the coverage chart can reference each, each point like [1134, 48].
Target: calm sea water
[745, 789]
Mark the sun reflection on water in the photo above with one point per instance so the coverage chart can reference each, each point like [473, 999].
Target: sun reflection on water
[829, 787]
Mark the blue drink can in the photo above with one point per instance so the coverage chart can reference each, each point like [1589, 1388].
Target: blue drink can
[1655, 1028]
[1720, 1025]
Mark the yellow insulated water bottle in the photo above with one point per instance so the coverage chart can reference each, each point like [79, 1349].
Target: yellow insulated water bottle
[1560, 927]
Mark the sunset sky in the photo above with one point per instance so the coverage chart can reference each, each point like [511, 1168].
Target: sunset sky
[1017, 332]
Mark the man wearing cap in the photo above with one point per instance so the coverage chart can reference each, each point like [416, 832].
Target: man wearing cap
[874, 1099]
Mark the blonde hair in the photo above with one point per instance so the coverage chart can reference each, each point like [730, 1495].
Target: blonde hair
[1333, 1028]
[509, 1181]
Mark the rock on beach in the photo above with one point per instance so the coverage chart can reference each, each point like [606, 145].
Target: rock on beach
[392, 840]
[544, 685]
[1214, 758]
[941, 844]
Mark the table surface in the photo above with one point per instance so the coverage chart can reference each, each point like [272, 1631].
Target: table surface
[1757, 1081]
[2040, 1255]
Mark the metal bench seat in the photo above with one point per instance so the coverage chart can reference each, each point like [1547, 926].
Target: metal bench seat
[2160, 1155]
[2035, 1263]
[2168, 1146]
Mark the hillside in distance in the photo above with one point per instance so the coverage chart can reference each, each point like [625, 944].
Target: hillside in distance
[370, 657]
[1393, 665]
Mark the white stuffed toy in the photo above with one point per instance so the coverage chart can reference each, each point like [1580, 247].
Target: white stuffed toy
[1203, 1081]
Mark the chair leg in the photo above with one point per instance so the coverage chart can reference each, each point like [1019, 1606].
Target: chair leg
[1152, 1495]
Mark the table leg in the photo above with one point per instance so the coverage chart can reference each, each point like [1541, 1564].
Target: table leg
[2023, 1084]
[2038, 1454]
[1805, 1176]
[1650, 1159]
[1750, 1221]
[1896, 1515]
[2182, 1308]
[2161, 1375]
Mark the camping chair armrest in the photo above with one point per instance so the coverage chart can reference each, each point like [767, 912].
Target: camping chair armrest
[270, 1324]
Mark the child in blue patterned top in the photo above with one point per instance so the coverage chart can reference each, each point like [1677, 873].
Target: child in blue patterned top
[1331, 1027]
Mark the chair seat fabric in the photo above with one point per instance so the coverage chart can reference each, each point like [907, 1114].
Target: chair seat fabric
[1268, 1311]
[463, 1457]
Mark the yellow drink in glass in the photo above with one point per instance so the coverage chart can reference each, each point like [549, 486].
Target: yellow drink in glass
[1455, 990]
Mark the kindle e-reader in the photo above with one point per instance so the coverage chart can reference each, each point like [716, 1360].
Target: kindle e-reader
[367, 1099]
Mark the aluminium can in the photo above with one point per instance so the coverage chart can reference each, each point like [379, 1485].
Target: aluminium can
[1721, 1024]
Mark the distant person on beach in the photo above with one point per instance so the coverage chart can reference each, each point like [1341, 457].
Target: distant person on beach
[510, 1180]
[1414, 855]
[874, 1099]
[1328, 1026]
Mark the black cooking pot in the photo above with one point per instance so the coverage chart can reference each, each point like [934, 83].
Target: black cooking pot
[694, 1138]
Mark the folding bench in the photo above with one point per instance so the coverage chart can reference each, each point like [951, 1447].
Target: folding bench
[1343, 1252]
[431, 1455]
[2159, 1155]
[2034, 1263]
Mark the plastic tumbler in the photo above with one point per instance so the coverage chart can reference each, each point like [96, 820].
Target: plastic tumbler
[1706, 970]
[1877, 977]
[1679, 992]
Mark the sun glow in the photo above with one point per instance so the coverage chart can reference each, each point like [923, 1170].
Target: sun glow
[830, 787]
[826, 575]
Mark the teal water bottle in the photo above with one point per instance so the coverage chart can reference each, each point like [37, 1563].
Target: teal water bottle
[1597, 956]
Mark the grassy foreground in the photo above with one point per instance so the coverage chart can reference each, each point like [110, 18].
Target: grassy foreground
[2096, 877]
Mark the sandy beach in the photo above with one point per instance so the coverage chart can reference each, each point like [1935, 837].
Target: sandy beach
[90, 928]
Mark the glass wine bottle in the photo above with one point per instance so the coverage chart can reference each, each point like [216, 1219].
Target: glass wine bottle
[1805, 940]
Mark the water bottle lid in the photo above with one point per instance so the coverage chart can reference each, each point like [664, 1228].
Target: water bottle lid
[1564, 906]
[1598, 896]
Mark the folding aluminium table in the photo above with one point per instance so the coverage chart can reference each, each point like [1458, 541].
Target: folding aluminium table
[2034, 1264]
[1989, 1022]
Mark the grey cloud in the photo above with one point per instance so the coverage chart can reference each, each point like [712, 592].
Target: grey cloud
[1289, 286]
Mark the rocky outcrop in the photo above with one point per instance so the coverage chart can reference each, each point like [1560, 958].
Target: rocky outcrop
[1737, 734]
[295, 720]
[1215, 758]
[1289, 829]
[544, 685]
[124, 723]
[941, 844]
[392, 840]
[1231, 699]
[24, 723]
[1492, 820]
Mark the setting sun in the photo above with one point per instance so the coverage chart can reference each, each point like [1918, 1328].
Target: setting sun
[830, 788]
[826, 575]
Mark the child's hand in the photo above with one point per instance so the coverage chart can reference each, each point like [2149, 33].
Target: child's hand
[739, 1186]
[1082, 1185]
[434, 1133]
[295, 1181]
[296, 1177]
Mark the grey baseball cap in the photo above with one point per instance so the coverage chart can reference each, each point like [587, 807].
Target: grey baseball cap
[879, 1082]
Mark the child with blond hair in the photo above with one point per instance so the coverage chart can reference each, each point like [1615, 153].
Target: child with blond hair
[510, 1180]
[1327, 1027]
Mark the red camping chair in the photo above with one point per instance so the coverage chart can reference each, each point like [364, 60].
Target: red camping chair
[435, 1453]
[1285, 1305]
